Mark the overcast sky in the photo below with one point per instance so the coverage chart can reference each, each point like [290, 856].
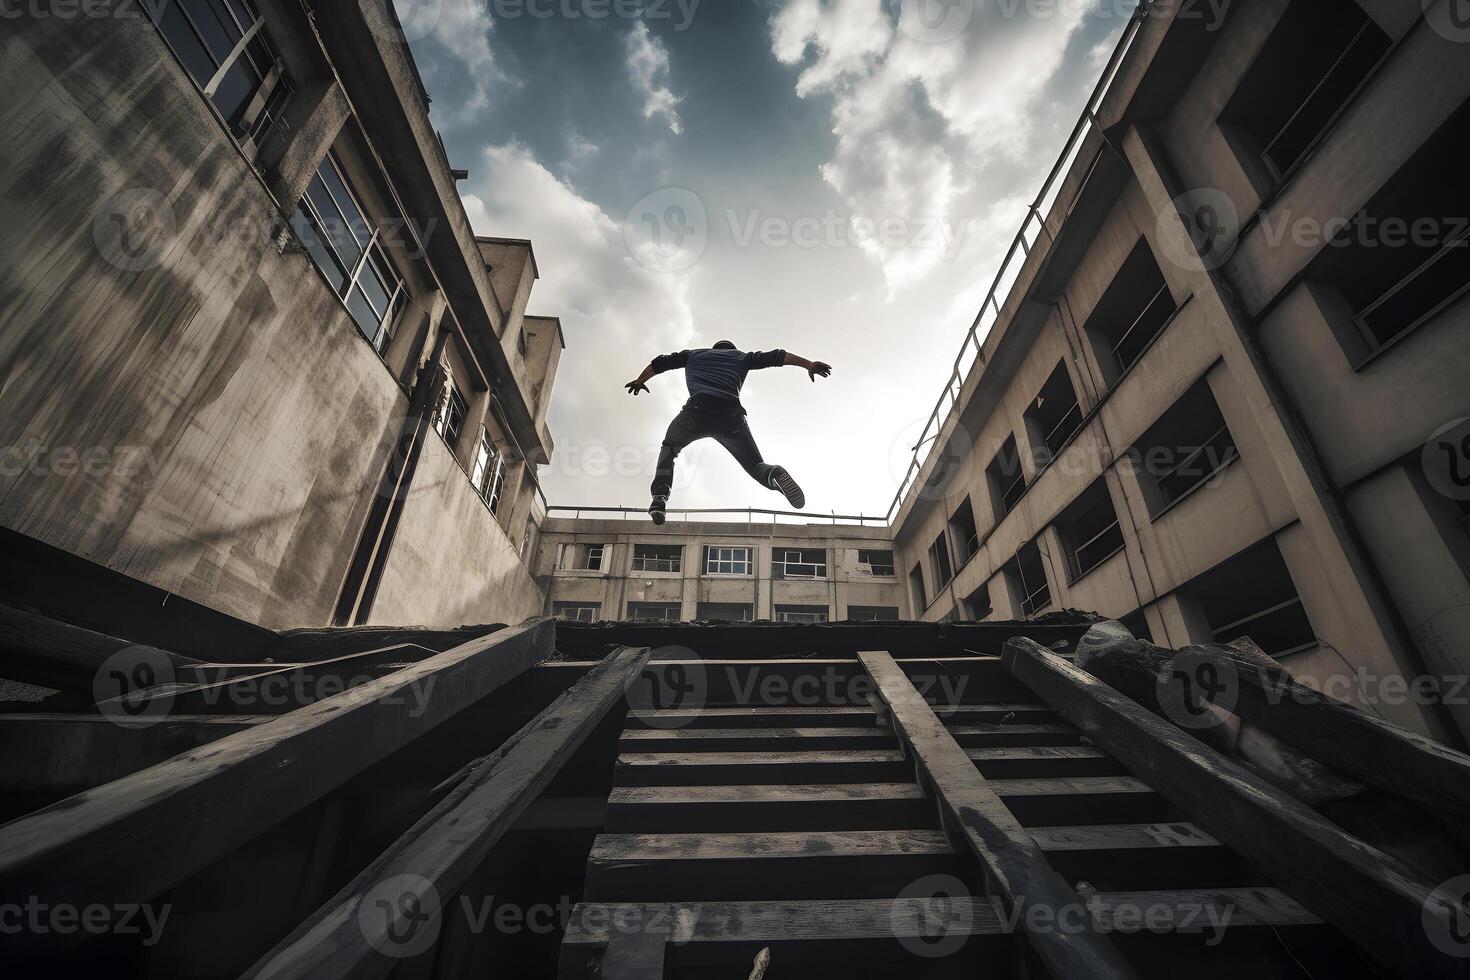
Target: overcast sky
[836, 177]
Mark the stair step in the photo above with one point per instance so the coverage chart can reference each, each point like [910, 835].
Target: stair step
[842, 716]
[756, 739]
[847, 766]
[692, 683]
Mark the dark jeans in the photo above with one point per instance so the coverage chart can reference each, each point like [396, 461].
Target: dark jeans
[729, 429]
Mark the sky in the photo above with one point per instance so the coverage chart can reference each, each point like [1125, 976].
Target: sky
[838, 178]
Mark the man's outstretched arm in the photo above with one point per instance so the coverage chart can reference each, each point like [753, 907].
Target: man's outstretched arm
[660, 364]
[812, 368]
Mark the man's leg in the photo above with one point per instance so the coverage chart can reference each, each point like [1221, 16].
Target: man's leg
[738, 441]
[681, 432]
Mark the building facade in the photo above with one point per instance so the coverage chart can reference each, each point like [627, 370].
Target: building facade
[1207, 403]
[253, 355]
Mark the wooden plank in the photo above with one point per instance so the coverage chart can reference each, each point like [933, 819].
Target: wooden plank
[40, 650]
[1014, 863]
[754, 739]
[853, 716]
[637, 954]
[347, 937]
[1363, 892]
[877, 806]
[724, 683]
[130, 840]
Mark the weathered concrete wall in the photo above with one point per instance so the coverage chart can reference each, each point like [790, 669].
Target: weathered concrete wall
[451, 564]
[233, 414]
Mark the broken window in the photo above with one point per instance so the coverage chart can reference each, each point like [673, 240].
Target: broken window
[978, 604]
[1320, 52]
[1028, 578]
[939, 561]
[1054, 416]
[1184, 449]
[488, 475]
[658, 557]
[653, 612]
[916, 590]
[1089, 529]
[874, 562]
[801, 614]
[449, 420]
[799, 563]
[962, 532]
[730, 612]
[872, 614]
[1252, 595]
[580, 612]
[581, 557]
[347, 249]
[721, 560]
[226, 50]
[1133, 311]
[1405, 256]
[1006, 480]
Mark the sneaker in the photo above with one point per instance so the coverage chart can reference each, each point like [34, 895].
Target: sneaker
[781, 480]
[656, 509]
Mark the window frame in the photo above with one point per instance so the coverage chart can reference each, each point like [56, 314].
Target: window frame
[711, 558]
[444, 423]
[872, 567]
[785, 563]
[559, 610]
[642, 563]
[677, 607]
[797, 613]
[489, 482]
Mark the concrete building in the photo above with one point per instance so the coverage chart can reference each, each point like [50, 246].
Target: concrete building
[620, 570]
[1204, 401]
[254, 359]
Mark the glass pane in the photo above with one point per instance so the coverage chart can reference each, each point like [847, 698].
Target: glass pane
[181, 37]
[215, 26]
[365, 315]
[355, 221]
[334, 226]
[374, 285]
[320, 254]
[235, 90]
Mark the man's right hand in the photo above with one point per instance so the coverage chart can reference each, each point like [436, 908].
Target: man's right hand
[818, 367]
[634, 387]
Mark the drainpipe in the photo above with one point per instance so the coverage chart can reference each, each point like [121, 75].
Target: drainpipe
[365, 572]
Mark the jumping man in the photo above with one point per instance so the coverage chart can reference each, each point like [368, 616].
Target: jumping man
[713, 411]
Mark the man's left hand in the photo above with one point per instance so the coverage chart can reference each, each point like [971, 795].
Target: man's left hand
[634, 387]
[819, 367]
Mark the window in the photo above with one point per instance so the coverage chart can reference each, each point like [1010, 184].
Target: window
[1136, 623]
[488, 475]
[1184, 449]
[873, 562]
[653, 612]
[658, 557]
[1308, 69]
[916, 590]
[1028, 575]
[962, 532]
[978, 603]
[579, 612]
[1089, 529]
[1406, 255]
[799, 563]
[801, 614]
[939, 561]
[521, 345]
[348, 251]
[1055, 415]
[527, 539]
[726, 612]
[1252, 595]
[720, 560]
[1133, 311]
[872, 614]
[1007, 481]
[580, 557]
[449, 421]
[223, 46]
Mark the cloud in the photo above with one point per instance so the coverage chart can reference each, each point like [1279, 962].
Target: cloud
[615, 315]
[462, 29]
[917, 123]
[648, 68]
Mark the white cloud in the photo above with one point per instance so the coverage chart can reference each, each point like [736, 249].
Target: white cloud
[463, 29]
[615, 314]
[648, 68]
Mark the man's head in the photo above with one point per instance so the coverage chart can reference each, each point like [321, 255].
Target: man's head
[724, 345]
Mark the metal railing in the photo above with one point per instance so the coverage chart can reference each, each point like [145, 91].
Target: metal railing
[749, 513]
[972, 349]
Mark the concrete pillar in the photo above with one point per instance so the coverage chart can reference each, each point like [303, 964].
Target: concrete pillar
[314, 136]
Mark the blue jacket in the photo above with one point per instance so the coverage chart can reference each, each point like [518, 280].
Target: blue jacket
[715, 377]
